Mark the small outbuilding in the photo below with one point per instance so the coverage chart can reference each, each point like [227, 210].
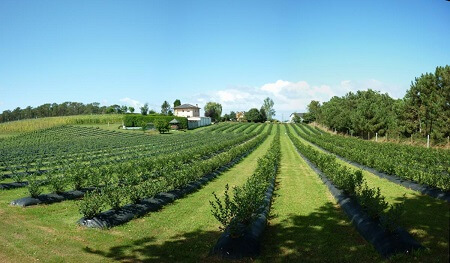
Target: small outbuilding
[174, 124]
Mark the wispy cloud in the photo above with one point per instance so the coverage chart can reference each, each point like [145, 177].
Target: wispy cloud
[131, 102]
[288, 96]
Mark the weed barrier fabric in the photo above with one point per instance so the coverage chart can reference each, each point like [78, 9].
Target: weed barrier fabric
[249, 243]
[112, 218]
[385, 242]
[423, 189]
[8, 186]
[51, 198]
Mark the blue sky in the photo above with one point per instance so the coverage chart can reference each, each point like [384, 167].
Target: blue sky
[233, 52]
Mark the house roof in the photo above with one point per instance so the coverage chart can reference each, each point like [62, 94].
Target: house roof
[298, 114]
[186, 106]
[174, 121]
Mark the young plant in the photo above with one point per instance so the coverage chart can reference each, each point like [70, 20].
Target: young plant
[91, 205]
[372, 201]
[34, 186]
[113, 196]
[57, 183]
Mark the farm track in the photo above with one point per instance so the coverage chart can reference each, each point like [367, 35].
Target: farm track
[184, 231]
[306, 223]
[426, 218]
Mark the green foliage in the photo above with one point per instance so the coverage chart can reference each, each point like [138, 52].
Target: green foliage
[391, 218]
[372, 201]
[56, 183]
[351, 183]
[34, 186]
[425, 166]
[176, 103]
[92, 204]
[132, 120]
[268, 110]
[248, 200]
[253, 115]
[144, 110]
[296, 119]
[113, 196]
[423, 110]
[162, 125]
[213, 110]
[165, 108]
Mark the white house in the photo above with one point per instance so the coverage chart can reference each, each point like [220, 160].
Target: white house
[187, 110]
[192, 113]
[292, 116]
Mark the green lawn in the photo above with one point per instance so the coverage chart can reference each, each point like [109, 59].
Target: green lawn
[183, 231]
[306, 224]
[426, 218]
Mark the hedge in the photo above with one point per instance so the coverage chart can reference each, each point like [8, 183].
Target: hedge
[135, 120]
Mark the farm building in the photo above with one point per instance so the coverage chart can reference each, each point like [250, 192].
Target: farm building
[240, 115]
[292, 116]
[192, 113]
[187, 110]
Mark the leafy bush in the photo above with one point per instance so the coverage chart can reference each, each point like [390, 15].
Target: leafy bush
[391, 219]
[248, 200]
[352, 183]
[162, 125]
[56, 182]
[91, 205]
[34, 186]
[372, 201]
[135, 120]
[113, 196]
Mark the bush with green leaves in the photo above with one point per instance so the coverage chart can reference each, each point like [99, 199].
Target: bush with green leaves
[92, 204]
[113, 196]
[56, 183]
[247, 201]
[351, 183]
[162, 125]
[34, 186]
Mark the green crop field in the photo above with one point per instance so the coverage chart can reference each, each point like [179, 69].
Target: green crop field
[81, 190]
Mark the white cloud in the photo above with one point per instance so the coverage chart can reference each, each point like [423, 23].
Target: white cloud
[394, 91]
[130, 102]
[288, 96]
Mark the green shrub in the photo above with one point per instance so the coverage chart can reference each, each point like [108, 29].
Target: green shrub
[34, 186]
[56, 183]
[372, 201]
[113, 196]
[91, 205]
[162, 125]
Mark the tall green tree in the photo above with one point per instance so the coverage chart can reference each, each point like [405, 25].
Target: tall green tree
[176, 103]
[213, 110]
[268, 108]
[144, 109]
[165, 108]
[314, 112]
[253, 115]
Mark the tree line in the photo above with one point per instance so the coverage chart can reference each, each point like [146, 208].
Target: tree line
[424, 110]
[55, 109]
[77, 108]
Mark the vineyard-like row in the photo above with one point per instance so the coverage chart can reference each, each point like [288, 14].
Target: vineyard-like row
[425, 166]
[144, 173]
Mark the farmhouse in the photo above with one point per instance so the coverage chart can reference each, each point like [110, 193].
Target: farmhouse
[192, 113]
[240, 115]
[293, 115]
[187, 110]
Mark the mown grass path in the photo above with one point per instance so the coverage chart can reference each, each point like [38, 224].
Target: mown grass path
[306, 224]
[184, 231]
[426, 218]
